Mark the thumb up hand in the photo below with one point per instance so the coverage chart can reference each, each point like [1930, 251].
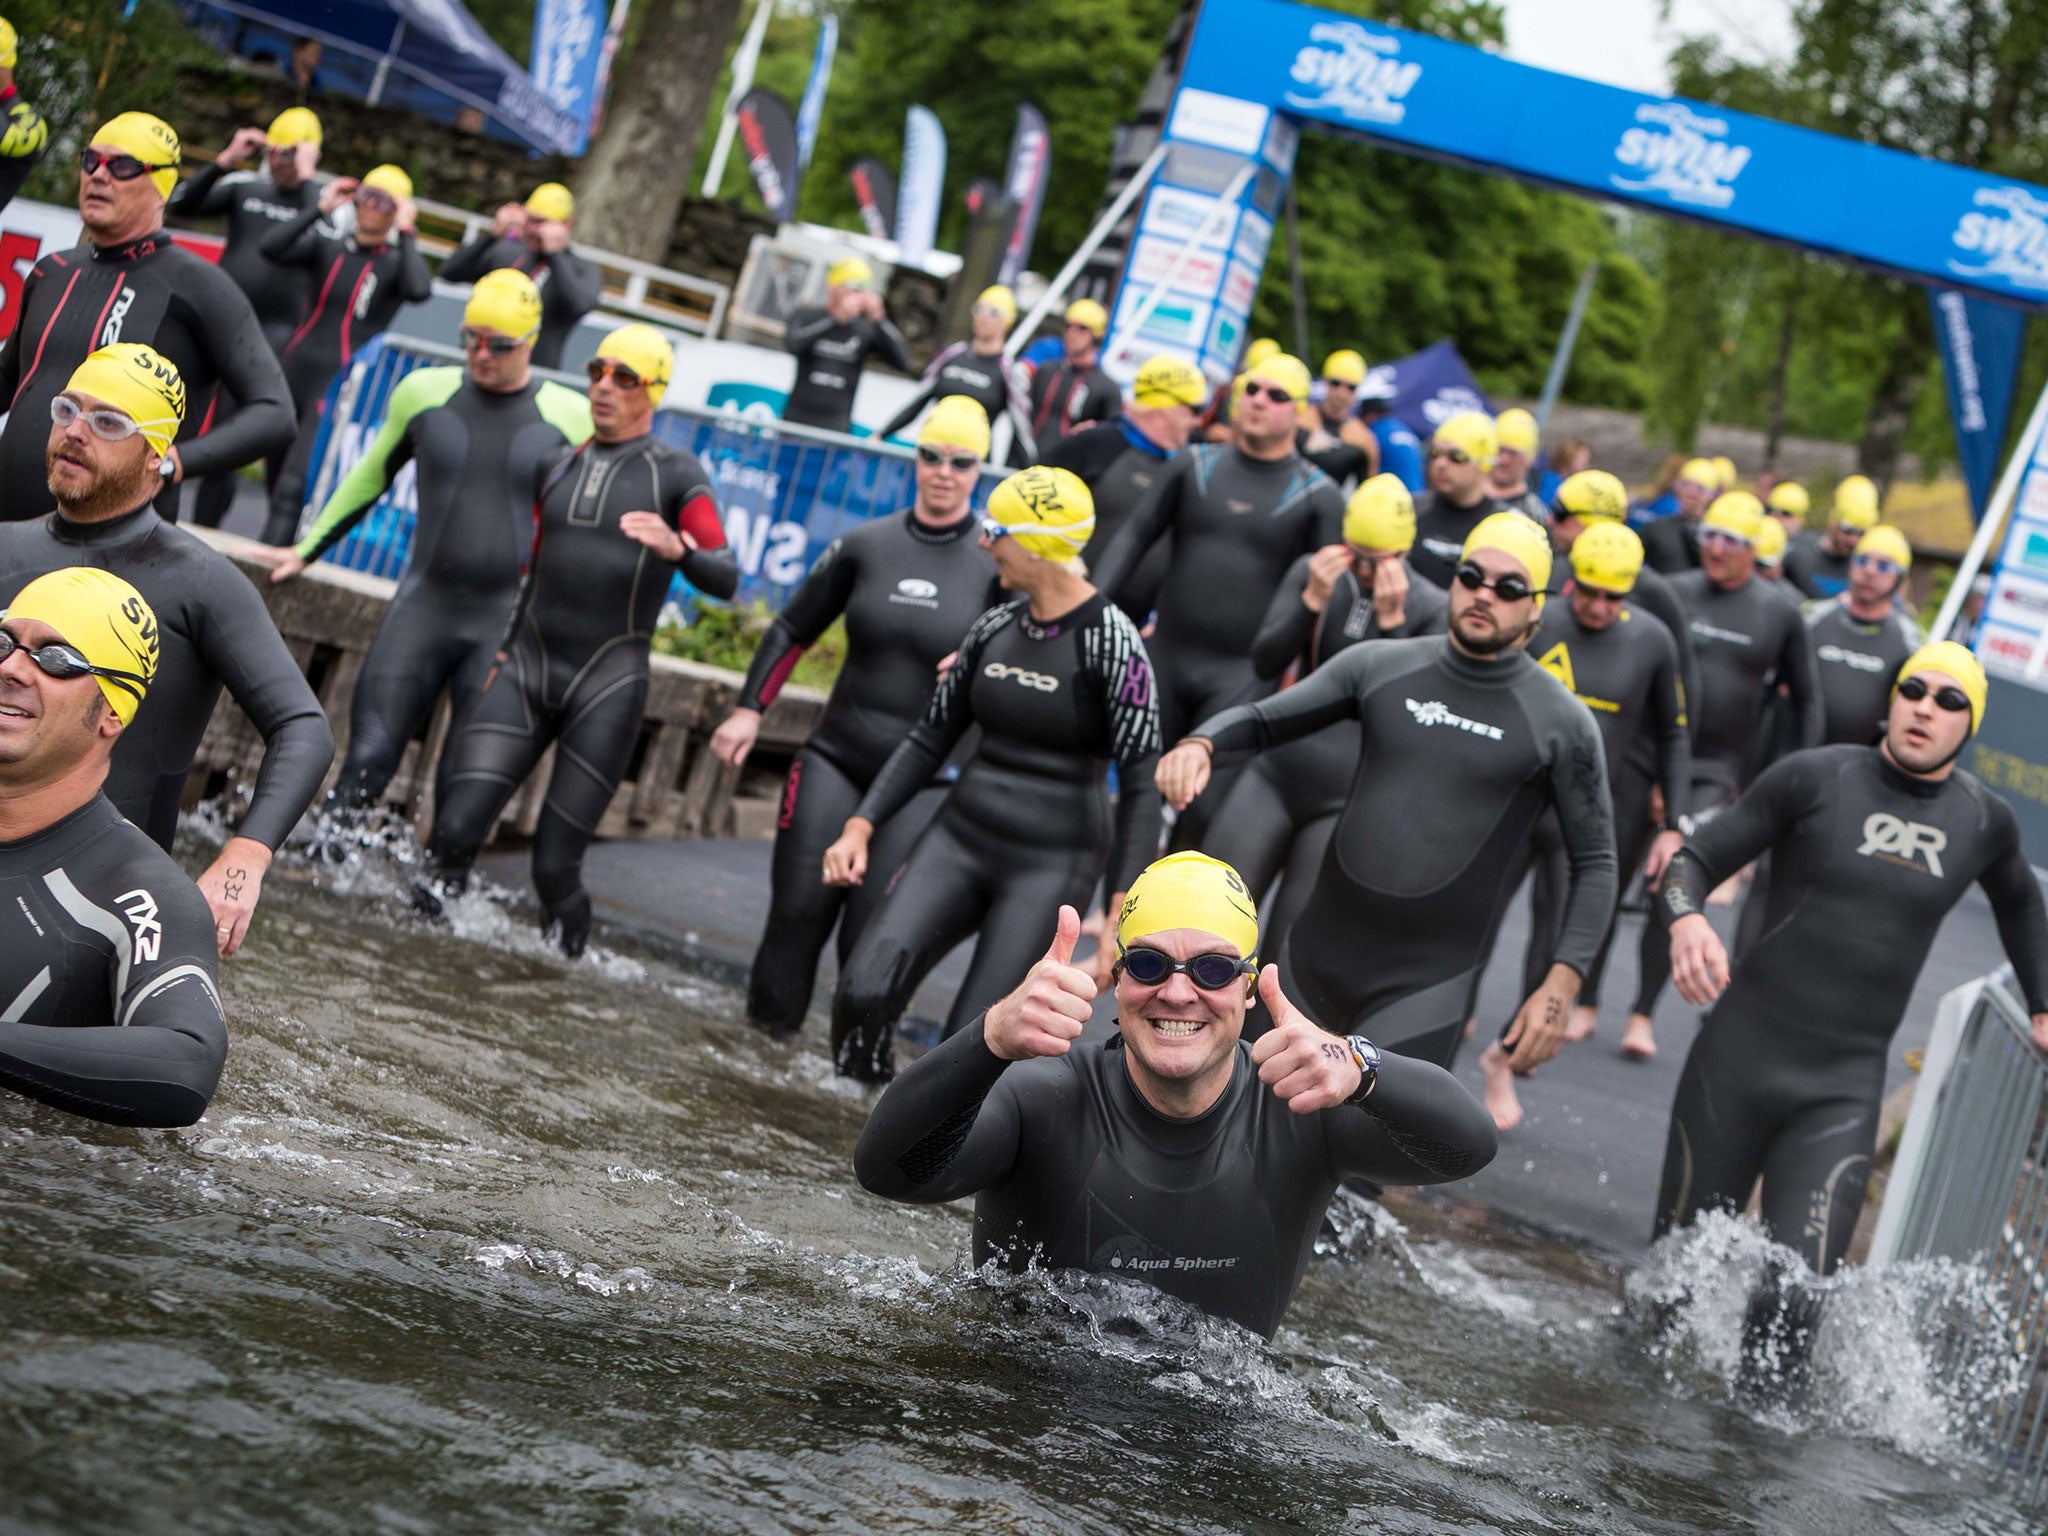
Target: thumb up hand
[1045, 1014]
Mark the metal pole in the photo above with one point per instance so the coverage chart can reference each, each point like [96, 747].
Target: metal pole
[1226, 205]
[743, 62]
[1294, 278]
[1020, 333]
[2001, 503]
[383, 74]
[1567, 342]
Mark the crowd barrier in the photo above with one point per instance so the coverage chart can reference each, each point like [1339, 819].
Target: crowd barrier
[785, 491]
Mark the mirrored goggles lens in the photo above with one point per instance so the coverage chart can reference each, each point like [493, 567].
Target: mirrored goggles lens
[598, 367]
[962, 463]
[497, 346]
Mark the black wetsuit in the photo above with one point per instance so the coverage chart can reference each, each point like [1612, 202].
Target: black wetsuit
[214, 632]
[1813, 568]
[1655, 595]
[1341, 461]
[1121, 467]
[27, 137]
[1237, 523]
[476, 454]
[576, 667]
[1441, 529]
[570, 287]
[1671, 545]
[1459, 759]
[1072, 1169]
[907, 593]
[829, 357]
[1627, 675]
[1064, 399]
[77, 301]
[990, 380]
[1747, 641]
[1786, 1077]
[1027, 827]
[1857, 664]
[110, 971]
[354, 292]
[1277, 819]
[254, 207]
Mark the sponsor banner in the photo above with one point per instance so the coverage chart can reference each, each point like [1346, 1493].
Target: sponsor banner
[813, 105]
[1240, 287]
[1210, 117]
[2026, 548]
[2006, 650]
[1981, 344]
[1030, 168]
[2033, 497]
[1152, 258]
[1176, 215]
[2018, 601]
[2011, 755]
[1254, 238]
[1431, 387]
[924, 173]
[874, 191]
[768, 134]
[569, 54]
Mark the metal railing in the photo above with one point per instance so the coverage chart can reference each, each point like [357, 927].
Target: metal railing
[1970, 1183]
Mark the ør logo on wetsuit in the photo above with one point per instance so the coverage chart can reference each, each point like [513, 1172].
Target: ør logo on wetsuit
[1434, 713]
[1886, 837]
[998, 670]
[141, 911]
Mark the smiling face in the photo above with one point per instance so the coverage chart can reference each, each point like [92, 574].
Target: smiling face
[1922, 736]
[1176, 1033]
[50, 723]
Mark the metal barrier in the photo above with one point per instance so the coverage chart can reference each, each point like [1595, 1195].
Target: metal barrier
[1970, 1183]
[784, 491]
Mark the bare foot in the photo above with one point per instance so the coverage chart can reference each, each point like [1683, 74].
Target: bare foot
[1501, 1100]
[1581, 1024]
[1639, 1040]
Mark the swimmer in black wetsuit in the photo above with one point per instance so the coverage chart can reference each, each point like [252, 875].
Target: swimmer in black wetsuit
[977, 369]
[181, 306]
[1861, 638]
[533, 238]
[1277, 819]
[109, 955]
[1174, 1153]
[1122, 462]
[1069, 394]
[358, 282]
[1623, 666]
[1466, 744]
[1239, 516]
[1671, 544]
[1748, 638]
[615, 518]
[114, 420]
[1817, 563]
[1870, 848]
[1060, 685]
[908, 588]
[833, 342]
[1508, 482]
[475, 435]
[254, 204]
[1337, 442]
[1461, 456]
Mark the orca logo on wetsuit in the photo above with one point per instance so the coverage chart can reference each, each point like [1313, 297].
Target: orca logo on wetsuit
[1435, 713]
[1887, 837]
[140, 908]
[917, 592]
[1000, 670]
[1856, 660]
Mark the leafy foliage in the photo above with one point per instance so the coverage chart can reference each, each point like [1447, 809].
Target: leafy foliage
[727, 635]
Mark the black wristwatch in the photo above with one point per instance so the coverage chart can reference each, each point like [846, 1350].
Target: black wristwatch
[1367, 1055]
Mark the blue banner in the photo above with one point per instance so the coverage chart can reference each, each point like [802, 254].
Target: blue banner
[1980, 358]
[568, 47]
[1431, 387]
[812, 106]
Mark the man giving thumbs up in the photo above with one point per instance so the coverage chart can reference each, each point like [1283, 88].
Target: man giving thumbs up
[1172, 1152]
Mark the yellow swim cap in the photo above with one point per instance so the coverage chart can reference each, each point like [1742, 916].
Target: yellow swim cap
[1091, 314]
[1381, 515]
[1594, 494]
[1957, 661]
[1049, 512]
[105, 620]
[1737, 513]
[294, 125]
[956, 422]
[1887, 543]
[1261, 349]
[644, 350]
[389, 179]
[1190, 890]
[998, 296]
[149, 139]
[1521, 537]
[1701, 472]
[1609, 556]
[1516, 429]
[1770, 543]
[1283, 371]
[505, 300]
[1789, 497]
[1724, 472]
[1856, 503]
[8, 43]
[1473, 434]
[136, 379]
[551, 200]
[849, 272]
[1169, 380]
[1344, 367]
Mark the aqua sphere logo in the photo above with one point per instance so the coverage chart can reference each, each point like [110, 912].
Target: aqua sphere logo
[2004, 237]
[1679, 155]
[1353, 73]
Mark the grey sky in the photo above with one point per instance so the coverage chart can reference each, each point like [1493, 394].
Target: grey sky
[1622, 42]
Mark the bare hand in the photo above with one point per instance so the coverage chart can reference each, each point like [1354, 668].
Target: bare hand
[1537, 1033]
[407, 219]
[337, 192]
[244, 144]
[658, 534]
[846, 861]
[1306, 1066]
[283, 560]
[1324, 567]
[1662, 847]
[1184, 772]
[2041, 1031]
[871, 305]
[946, 664]
[1699, 961]
[549, 236]
[1045, 1015]
[1390, 594]
[232, 887]
[732, 741]
[510, 216]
